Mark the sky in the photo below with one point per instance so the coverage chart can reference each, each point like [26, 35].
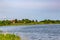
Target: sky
[30, 9]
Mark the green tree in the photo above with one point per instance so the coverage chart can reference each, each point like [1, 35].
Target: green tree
[6, 22]
[16, 21]
[26, 21]
[36, 20]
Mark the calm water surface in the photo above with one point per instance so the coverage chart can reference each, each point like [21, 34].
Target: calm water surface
[35, 32]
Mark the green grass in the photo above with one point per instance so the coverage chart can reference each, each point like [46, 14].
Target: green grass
[9, 37]
[20, 24]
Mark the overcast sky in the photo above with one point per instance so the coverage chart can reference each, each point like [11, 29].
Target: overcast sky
[31, 9]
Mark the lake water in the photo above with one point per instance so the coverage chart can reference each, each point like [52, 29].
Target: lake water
[35, 32]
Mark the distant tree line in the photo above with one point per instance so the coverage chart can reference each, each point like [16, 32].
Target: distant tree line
[50, 21]
[27, 21]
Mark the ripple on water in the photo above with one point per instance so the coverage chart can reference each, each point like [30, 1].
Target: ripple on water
[38, 32]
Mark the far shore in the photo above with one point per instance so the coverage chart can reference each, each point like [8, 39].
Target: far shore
[24, 22]
[27, 25]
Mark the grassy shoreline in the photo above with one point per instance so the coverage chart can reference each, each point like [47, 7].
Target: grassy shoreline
[18, 24]
[7, 36]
